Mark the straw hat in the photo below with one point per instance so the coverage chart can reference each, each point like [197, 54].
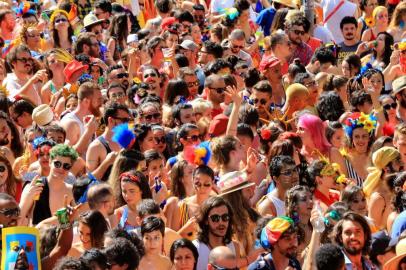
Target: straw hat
[90, 20]
[233, 181]
[42, 115]
[288, 3]
[393, 263]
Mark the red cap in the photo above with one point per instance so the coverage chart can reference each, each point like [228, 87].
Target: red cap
[218, 125]
[268, 63]
[72, 67]
[167, 22]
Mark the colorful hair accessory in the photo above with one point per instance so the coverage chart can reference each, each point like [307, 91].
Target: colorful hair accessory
[357, 120]
[63, 55]
[271, 233]
[36, 142]
[182, 100]
[331, 169]
[24, 8]
[402, 45]
[266, 134]
[231, 13]
[56, 13]
[127, 175]
[124, 135]
[363, 70]
[334, 215]
[85, 78]
[198, 155]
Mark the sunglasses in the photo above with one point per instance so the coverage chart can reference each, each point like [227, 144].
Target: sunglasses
[160, 140]
[66, 166]
[299, 32]
[216, 218]
[150, 75]
[13, 212]
[122, 75]
[154, 115]
[191, 84]
[261, 101]
[24, 60]
[219, 90]
[61, 20]
[194, 138]
[387, 107]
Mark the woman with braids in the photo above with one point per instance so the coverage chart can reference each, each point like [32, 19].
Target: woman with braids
[133, 187]
[299, 205]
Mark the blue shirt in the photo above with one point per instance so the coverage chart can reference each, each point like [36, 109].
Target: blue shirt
[399, 225]
[366, 265]
[265, 18]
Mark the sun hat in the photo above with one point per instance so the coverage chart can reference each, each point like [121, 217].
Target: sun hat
[393, 263]
[90, 20]
[189, 45]
[233, 181]
[399, 84]
[288, 3]
[42, 115]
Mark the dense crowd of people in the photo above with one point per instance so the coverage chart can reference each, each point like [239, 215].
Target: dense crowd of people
[204, 134]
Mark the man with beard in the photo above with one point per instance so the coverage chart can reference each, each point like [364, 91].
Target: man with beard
[279, 237]
[151, 76]
[81, 124]
[215, 87]
[103, 151]
[285, 175]
[398, 89]
[294, 27]
[353, 235]
[237, 46]
[348, 26]
[94, 25]
[10, 217]
[87, 44]
[22, 82]
[261, 98]
[209, 52]
[215, 229]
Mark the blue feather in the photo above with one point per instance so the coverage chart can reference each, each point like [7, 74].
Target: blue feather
[123, 135]
[37, 141]
[206, 158]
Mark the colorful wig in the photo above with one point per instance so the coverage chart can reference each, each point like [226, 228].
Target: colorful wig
[316, 128]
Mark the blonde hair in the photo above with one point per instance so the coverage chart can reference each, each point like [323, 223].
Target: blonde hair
[376, 11]
[399, 11]
[201, 105]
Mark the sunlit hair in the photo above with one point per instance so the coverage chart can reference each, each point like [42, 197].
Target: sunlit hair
[316, 128]
[397, 15]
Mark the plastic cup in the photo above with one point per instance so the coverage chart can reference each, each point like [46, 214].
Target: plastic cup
[167, 54]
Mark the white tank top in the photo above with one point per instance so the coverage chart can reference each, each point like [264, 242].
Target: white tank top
[72, 116]
[204, 252]
[279, 205]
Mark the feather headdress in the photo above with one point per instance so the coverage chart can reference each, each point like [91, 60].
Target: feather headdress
[199, 154]
[124, 135]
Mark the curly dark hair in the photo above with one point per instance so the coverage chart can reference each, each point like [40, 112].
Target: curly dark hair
[121, 251]
[15, 145]
[330, 106]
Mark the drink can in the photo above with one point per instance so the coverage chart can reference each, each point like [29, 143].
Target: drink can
[63, 218]
[37, 182]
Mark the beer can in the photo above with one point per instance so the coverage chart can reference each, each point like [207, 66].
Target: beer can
[63, 218]
[37, 182]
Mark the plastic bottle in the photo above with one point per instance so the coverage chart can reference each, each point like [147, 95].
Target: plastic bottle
[318, 225]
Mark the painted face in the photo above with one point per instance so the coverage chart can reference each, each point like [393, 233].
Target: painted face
[60, 167]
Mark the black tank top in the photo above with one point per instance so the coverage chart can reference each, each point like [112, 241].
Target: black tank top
[41, 208]
[103, 141]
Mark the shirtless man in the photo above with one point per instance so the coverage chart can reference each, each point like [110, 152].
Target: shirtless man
[81, 124]
[103, 151]
[285, 175]
[54, 189]
[153, 232]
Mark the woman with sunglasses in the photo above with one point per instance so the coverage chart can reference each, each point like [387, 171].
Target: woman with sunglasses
[160, 140]
[56, 78]
[31, 36]
[91, 228]
[184, 215]
[61, 31]
[131, 188]
[389, 106]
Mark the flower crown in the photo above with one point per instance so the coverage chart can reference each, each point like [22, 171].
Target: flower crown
[356, 120]
[333, 170]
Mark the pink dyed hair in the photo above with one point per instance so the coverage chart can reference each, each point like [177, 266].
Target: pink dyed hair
[316, 128]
